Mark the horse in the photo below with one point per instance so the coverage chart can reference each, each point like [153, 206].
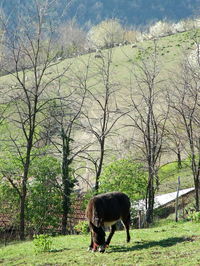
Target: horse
[106, 210]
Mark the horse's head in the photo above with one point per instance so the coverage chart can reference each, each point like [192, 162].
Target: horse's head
[98, 236]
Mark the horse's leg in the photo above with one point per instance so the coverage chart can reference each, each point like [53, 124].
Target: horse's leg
[91, 243]
[126, 221]
[113, 229]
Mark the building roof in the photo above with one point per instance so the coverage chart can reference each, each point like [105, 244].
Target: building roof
[163, 199]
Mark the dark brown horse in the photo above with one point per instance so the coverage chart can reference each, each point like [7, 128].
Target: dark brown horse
[105, 210]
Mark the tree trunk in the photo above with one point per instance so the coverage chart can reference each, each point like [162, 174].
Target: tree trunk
[22, 218]
[179, 159]
[150, 199]
[65, 199]
[65, 207]
[66, 182]
[24, 191]
[99, 170]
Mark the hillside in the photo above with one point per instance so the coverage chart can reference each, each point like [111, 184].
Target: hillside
[170, 49]
[67, 115]
[137, 12]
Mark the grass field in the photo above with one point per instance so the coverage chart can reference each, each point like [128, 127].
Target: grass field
[165, 244]
[169, 174]
[170, 50]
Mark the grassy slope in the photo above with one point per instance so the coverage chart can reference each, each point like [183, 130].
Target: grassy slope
[171, 244]
[169, 174]
[169, 49]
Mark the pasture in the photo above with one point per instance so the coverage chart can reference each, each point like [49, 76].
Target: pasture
[168, 243]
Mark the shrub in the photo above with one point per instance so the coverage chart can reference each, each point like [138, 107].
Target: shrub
[42, 243]
[194, 216]
[124, 175]
[106, 33]
[160, 28]
[42, 189]
[82, 227]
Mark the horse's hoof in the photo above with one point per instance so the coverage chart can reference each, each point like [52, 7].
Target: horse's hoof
[102, 249]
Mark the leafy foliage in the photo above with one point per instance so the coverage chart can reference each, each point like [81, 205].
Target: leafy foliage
[42, 243]
[10, 169]
[124, 175]
[44, 188]
[106, 33]
[82, 227]
[44, 198]
[194, 216]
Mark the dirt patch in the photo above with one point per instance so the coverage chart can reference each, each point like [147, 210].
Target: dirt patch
[156, 252]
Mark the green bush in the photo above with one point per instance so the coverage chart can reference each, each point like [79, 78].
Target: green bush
[194, 216]
[42, 190]
[42, 243]
[82, 227]
[126, 176]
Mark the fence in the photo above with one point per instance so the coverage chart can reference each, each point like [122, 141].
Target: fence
[8, 231]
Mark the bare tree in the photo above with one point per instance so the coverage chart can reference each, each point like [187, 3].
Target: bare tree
[64, 130]
[71, 39]
[101, 113]
[185, 96]
[30, 51]
[148, 119]
[175, 141]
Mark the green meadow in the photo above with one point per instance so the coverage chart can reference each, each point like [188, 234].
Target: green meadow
[167, 243]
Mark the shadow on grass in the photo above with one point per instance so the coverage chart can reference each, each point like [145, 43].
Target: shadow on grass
[144, 245]
[58, 250]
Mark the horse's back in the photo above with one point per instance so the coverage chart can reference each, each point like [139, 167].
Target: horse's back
[108, 206]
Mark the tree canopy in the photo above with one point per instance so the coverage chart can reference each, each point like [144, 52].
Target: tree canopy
[124, 175]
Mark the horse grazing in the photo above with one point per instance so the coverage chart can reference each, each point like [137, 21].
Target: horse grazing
[105, 210]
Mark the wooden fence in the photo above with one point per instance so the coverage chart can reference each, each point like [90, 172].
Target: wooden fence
[8, 230]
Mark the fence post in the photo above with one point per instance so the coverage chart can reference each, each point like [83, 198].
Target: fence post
[177, 195]
[139, 219]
